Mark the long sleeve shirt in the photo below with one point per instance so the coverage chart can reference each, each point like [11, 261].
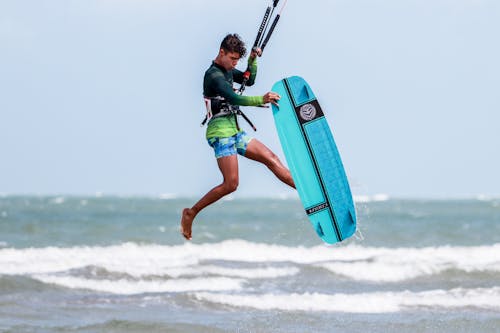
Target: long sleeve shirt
[219, 82]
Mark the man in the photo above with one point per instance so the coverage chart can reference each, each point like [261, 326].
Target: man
[223, 132]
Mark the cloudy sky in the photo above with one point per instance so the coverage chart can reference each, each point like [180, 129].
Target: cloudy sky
[106, 95]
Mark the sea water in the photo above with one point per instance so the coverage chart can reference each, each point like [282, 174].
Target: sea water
[119, 264]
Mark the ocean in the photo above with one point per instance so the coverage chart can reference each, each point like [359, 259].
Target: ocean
[119, 264]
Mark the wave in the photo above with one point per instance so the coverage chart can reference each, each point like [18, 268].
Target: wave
[371, 198]
[249, 273]
[395, 265]
[254, 260]
[487, 197]
[131, 287]
[377, 302]
[168, 196]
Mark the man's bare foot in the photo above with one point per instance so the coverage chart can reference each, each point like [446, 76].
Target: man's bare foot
[187, 222]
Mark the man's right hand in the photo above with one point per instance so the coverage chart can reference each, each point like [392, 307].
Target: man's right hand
[272, 97]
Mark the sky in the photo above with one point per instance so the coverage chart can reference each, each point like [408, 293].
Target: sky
[105, 96]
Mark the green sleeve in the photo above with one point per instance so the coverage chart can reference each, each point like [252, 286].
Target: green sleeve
[224, 89]
[252, 66]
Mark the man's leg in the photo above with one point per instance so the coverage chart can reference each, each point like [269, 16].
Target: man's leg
[228, 166]
[257, 151]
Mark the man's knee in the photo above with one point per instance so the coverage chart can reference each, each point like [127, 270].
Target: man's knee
[231, 185]
[272, 160]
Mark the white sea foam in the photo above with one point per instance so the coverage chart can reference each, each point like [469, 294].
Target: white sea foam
[486, 197]
[130, 287]
[354, 262]
[58, 200]
[247, 273]
[377, 302]
[168, 196]
[129, 258]
[371, 198]
[394, 265]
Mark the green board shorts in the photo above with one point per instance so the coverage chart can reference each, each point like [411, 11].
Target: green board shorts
[236, 144]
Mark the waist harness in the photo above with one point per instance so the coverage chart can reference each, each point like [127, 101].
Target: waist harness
[219, 107]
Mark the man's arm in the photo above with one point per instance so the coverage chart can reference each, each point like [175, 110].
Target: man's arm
[223, 88]
[251, 67]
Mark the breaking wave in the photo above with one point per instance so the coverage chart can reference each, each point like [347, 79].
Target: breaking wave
[131, 268]
[377, 302]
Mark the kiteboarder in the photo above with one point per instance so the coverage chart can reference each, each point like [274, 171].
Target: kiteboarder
[223, 132]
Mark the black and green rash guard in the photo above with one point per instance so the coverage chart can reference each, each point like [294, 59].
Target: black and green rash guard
[219, 82]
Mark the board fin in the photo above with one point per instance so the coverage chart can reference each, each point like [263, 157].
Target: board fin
[319, 230]
[304, 94]
[352, 216]
[301, 92]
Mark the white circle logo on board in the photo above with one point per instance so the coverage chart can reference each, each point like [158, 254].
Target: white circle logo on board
[307, 112]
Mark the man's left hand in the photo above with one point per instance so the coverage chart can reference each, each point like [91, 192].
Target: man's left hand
[256, 51]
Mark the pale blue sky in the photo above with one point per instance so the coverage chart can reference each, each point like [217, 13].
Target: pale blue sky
[106, 95]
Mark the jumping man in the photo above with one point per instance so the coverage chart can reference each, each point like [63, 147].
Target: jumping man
[223, 132]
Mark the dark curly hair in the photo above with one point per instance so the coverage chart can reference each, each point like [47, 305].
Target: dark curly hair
[233, 43]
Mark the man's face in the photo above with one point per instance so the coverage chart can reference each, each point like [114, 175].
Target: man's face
[228, 60]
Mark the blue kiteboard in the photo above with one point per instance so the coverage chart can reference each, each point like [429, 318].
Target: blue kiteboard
[314, 160]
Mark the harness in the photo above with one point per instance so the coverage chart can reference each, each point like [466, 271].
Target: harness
[219, 107]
